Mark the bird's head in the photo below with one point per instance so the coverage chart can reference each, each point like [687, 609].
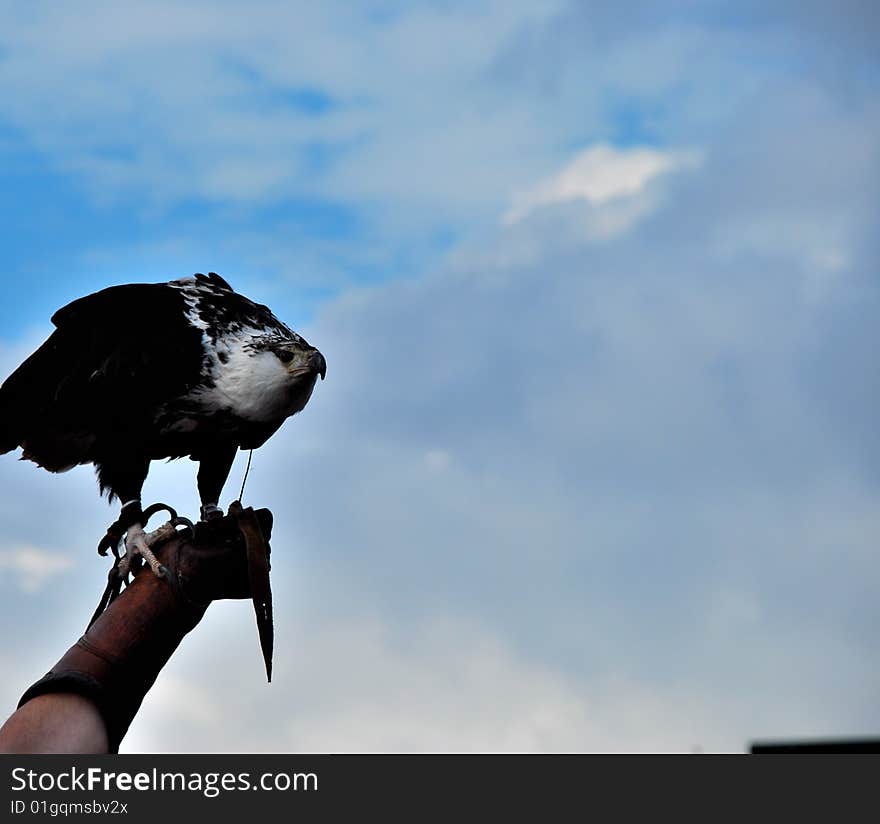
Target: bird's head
[301, 360]
[266, 377]
[302, 364]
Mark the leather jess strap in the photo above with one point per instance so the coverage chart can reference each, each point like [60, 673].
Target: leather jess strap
[258, 578]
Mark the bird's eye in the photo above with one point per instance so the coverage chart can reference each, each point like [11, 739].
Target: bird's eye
[284, 355]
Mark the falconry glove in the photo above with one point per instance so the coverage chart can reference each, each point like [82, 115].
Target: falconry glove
[118, 659]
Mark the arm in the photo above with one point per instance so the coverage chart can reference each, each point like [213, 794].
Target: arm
[58, 722]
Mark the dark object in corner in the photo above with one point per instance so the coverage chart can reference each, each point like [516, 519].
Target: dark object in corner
[843, 746]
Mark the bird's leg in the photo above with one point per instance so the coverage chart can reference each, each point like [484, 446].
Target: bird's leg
[124, 473]
[214, 467]
[211, 511]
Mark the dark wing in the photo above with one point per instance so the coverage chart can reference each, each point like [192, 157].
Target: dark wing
[114, 357]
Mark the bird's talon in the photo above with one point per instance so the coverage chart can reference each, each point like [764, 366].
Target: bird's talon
[151, 510]
[106, 543]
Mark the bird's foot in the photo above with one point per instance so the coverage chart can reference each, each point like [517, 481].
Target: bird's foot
[137, 545]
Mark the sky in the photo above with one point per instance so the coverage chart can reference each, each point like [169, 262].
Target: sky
[595, 467]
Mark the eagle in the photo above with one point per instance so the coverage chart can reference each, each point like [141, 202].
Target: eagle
[147, 371]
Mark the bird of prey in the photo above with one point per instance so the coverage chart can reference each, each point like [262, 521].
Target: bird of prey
[140, 372]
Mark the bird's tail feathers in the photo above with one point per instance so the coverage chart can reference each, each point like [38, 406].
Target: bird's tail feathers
[29, 386]
[9, 429]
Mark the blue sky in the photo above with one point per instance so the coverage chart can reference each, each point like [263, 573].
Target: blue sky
[595, 463]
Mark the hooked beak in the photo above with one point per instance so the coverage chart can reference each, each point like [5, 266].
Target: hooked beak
[318, 364]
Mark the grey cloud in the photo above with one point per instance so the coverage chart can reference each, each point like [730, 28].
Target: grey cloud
[636, 475]
[451, 688]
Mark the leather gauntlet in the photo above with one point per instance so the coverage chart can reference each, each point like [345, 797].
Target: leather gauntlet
[118, 659]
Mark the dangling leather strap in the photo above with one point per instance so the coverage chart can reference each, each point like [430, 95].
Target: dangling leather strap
[258, 578]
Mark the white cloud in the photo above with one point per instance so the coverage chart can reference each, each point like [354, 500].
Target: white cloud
[33, 567]
[596, 174]
[612, 181]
